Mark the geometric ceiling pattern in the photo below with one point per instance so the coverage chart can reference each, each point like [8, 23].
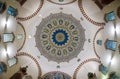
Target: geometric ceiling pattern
[61, 40]
[60, 37]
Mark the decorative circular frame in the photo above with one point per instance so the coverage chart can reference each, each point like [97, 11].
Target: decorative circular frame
[60, 37]
[61, 2]
[57, 74]
[84, 62]
[24, 36]
[87, 17]
[33, 14]
[94, 41]
[36, 62]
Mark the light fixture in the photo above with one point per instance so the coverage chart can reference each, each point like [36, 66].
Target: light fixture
[40, 15]
[4, 52]
[11, 24]
[3, 22]
[109, 59]
[29, 36]
[113, 62]
[115, 29]
[104, 76]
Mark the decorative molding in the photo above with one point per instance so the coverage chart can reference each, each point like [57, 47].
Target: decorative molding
[94, 41]
[24, 37]
[81, 64]
[60, 37]
[57, 74]
[36, 62]
[87, 17]
[61, 3]
[33, 14]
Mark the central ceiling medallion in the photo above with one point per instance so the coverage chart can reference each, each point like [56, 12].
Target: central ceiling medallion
[60, 37]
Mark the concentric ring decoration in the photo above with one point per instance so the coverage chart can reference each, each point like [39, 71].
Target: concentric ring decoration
[56, 75]
[60, 37]
[62, 2]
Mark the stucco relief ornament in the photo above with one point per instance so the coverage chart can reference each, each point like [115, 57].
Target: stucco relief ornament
[60, 37]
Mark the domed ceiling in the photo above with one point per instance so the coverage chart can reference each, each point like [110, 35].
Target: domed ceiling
[60, 37]
[63, 39]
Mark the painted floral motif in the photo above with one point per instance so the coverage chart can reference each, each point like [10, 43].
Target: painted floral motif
[60, 37]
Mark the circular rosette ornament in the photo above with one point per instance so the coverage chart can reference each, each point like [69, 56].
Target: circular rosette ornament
[60, 37]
